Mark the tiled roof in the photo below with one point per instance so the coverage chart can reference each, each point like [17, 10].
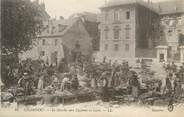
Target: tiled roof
[92, 17]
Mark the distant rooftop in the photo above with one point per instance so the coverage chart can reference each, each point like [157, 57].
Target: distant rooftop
[58, 27]
[113, 3]
[169, 7]
[87, 15]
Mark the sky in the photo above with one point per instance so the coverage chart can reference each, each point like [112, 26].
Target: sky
[65, 8]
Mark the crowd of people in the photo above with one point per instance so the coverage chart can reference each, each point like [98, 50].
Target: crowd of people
[174, 78]
[90, 74]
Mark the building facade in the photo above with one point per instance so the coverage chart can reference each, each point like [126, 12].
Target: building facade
[138, 29]
[127, 31]
[60, 39]
[172, 30]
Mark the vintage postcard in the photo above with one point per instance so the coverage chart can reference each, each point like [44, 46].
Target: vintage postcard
[92, 58]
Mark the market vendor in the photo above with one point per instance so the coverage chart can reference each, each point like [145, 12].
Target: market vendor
[177, 86]
[41, 82]
[104, 95]
[65, 85]
[181, 73]
[74, 82]
[20, 84]
[26, 82]
[168, 84]
[135, 85]
[174, 67]
[55, 82]
[93, 80]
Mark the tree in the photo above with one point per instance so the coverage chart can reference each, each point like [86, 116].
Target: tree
[21, 22]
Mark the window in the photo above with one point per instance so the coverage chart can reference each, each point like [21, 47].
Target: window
[116, 15]
[106, 34]
[53, 30]
[127, 47]
[56, 53]
[127, 31]
[47, 28]
[106, 30]
[42, 53]
[56, 41]
[116, 47]
[179, 21]
[106, 46]
[116, 34]
[43, 42]
[106, 16]
[128, 15]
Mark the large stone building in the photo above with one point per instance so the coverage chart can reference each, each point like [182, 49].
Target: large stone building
[131, 29]
[61, 38]
[128, 30]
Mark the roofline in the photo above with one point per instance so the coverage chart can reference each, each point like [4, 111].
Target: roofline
[116, 5]
[143, 4]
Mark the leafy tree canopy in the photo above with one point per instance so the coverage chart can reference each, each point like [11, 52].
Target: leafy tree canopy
[21, 21]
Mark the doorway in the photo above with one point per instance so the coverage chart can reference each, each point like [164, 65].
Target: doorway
[161, 57]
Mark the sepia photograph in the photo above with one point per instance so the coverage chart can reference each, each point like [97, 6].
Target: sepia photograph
[99, 57]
